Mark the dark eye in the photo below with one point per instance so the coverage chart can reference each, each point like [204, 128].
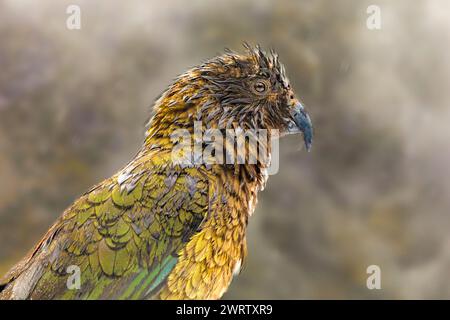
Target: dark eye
[260, 86]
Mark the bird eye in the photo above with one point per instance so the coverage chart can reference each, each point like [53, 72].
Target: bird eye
[260, 87]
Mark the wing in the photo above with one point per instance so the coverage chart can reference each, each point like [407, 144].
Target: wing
[121, 239]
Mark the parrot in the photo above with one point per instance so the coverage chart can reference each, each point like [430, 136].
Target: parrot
[164, 229]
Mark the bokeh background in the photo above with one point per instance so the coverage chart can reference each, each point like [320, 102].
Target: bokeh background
[374, 189]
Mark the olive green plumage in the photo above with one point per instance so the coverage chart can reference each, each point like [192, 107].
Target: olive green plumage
[124, 235]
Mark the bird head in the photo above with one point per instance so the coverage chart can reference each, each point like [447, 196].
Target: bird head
[249, 91]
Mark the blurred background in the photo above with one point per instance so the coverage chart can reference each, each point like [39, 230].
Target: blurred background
[374, 190]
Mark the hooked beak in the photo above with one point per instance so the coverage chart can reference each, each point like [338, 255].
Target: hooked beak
[302, 123]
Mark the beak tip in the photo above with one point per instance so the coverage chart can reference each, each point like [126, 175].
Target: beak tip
[308, 144]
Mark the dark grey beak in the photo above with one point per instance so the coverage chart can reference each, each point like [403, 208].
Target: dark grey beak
[303, 123]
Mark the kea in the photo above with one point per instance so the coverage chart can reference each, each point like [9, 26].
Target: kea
[170, 225]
